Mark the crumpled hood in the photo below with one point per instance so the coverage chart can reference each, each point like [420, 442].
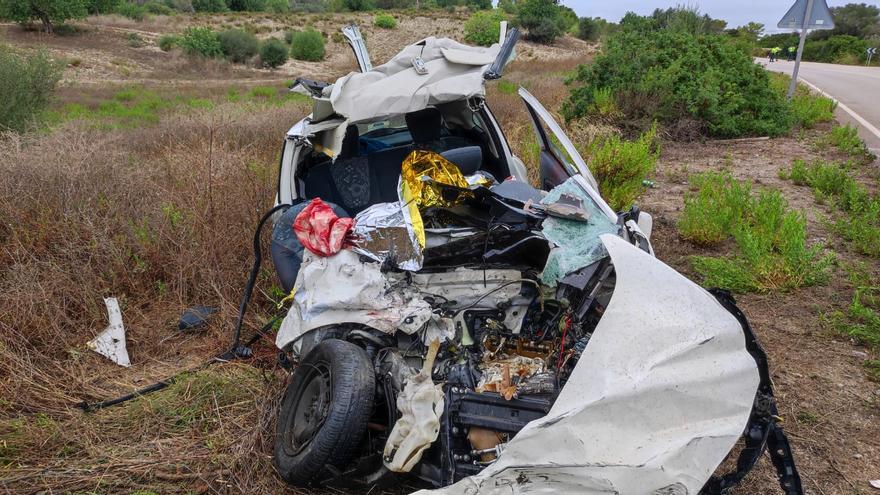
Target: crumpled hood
[658, 399]
[455, 72]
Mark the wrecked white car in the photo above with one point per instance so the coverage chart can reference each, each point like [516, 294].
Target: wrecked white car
[453, 324]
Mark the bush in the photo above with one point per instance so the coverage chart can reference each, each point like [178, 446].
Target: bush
[385, 21]
[358, 5]
[484, 27]
[26, 83]
[135, 40]
[132, 11]
[273, 53]
[307, 45]
[277, 6]
[541, 18]
[157, 8]
[675, 77]
[588, 29]
[209, 5]
[181, 5]
[238, 45]
[772, 251]
[201, 41]
[621, 167]
[103, 6]
[246, 5]
[167, 42]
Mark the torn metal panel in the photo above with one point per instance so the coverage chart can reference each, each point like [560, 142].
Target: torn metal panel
[111, 342]
[343, 289]
[661, 394]
[454, 72]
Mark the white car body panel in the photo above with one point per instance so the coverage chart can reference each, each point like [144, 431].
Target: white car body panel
[660, 396]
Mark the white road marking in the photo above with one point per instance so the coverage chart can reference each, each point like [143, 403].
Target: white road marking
[858, 118]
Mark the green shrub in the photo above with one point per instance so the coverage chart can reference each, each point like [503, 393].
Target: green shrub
[238, 45]
[358, 5]
[135, 40]
[588, 29]
[201, 41]
[307, 45]
[862, 320]
[385, 21]
[26, 83]
[181, 5]
[103, 6]
[620, 167]
[246, 5]
[157, 8]
[847, 140]
[713, 210]
[542, 19]
[132, 11]
[484, 27]
[674, 77]
[859, 222]
[772, 251]
[167, 42]
[209, 5]
[277, 6]
[273, 53]
[507, 87]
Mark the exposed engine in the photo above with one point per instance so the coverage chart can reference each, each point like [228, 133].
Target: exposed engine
[504, 367]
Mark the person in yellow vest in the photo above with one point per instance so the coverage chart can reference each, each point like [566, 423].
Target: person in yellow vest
[792, 52]
[774, 53]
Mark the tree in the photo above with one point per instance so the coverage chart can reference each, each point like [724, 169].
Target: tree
[853, 19]
[49, 12]
[507, 6]
[541, 18]
[588, 29]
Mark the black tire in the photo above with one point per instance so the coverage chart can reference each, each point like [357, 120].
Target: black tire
[324, 413]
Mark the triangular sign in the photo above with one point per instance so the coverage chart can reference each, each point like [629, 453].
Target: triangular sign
[820, 18]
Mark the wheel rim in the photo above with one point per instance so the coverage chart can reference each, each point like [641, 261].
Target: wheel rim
[311, 406]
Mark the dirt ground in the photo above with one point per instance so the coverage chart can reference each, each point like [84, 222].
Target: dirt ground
[830, 407]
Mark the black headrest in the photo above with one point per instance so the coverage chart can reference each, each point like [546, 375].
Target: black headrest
[468, 159]
[424, 125]
[350, 143]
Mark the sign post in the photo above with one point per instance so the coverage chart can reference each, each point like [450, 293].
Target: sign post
[805, 15]
[871, 53]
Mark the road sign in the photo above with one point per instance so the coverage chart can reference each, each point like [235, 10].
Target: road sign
[820, 16]
[805, 15]
[871, 53]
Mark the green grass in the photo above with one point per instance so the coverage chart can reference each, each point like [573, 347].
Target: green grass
[771, 252]
[858, 220]
[136, 106]
[807, 108]
[872, 366]
[507, 87]
[847, 140]
[861, 320]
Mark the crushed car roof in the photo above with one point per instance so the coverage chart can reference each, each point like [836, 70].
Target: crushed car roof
[454, 72]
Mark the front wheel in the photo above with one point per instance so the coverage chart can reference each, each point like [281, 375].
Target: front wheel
[324, 412]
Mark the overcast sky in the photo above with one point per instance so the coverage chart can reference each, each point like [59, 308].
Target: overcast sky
[735, 12]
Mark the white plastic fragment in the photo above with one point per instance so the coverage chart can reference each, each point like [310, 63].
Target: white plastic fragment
[111, 342]
[421, 404]
[875, 483]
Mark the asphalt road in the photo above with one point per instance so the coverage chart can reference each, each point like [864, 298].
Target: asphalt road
[856, 88]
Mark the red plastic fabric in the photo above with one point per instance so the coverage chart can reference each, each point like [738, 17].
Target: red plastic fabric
[319, 229]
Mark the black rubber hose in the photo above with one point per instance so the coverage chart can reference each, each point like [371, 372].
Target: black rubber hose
[236, 350]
